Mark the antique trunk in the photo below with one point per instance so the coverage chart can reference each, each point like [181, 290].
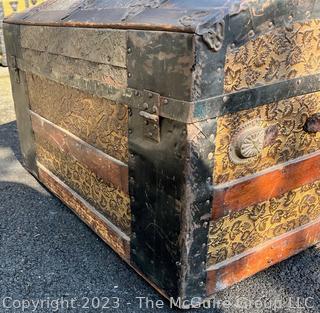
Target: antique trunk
[184, 133]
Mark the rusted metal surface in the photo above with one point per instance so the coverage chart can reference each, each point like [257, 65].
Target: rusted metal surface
[312, 124]
[21, 98]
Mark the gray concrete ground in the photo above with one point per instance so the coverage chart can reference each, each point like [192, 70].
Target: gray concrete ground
[47, 253]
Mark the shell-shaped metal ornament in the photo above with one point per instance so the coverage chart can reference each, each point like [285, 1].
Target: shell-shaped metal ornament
[248, 142]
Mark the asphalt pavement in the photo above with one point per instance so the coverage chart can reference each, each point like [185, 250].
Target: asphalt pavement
[50, 261]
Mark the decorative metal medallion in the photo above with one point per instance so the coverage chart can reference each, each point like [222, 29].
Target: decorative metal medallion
[248, 142]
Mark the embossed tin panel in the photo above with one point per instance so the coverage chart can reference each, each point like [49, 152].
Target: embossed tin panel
[246, 229]
[111, 201]
[99, 122]
[284, 137]
[281, 54]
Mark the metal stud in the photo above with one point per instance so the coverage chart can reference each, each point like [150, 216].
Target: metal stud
[251, 33]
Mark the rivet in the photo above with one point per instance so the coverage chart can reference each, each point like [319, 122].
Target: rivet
[145, 106]
[129, 50]
[209, 180]
[225, 99]
[134, 236]
[132, 180]
[298, 81]
[129, 75]
[205, 224]
[270, 24]
[133, 199]
[219, 69]
[178, 263]
[201, 284]
[290, 18]
[204, 245]
[233, 45]
[130, 131]
[211, 138]
[208, 202]
[150, 95]
[132, 155]
[210, 156]
[251, 33]
[308, 13]
[203, 263]
[150, 134]
[165, 101]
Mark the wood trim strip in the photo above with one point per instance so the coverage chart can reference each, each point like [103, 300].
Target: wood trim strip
[104, 166]
[227, 273]
[107, 231]
[239, 195]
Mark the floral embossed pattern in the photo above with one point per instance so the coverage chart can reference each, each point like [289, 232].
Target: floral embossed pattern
[246, 229]
[286, 117]
[279, 55]
[110, 201]
[97, 121]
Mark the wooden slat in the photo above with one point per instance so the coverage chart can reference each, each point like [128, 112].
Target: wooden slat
[109, 233]
[104, 166]
[238, 195]
[226, 274]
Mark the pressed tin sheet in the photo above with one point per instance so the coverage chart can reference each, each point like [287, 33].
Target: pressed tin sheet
[286, 118]
[281, 54]
[99, 122]
[105, 197]
[246, 229]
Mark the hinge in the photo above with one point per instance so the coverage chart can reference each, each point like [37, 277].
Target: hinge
[12, 62]
[150, 114]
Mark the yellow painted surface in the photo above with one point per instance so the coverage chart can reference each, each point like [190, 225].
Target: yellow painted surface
[279, 55]
[15, 6]
[248, 228]
[286, 116]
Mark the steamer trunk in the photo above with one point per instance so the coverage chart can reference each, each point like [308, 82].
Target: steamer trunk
[185, 135]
